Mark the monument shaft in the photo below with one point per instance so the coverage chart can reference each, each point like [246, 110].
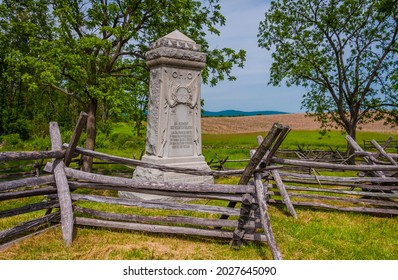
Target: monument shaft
[174, 128]
[174, 111]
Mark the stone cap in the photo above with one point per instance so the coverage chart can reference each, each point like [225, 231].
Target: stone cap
[175, 49]
[177, 40]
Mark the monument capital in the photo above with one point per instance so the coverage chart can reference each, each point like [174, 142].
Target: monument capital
[176, 49]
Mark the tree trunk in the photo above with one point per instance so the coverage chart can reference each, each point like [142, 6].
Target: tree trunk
[91, 131]
[352, 131]
[138, 125]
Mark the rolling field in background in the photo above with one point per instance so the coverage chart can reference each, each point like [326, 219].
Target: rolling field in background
[232, 125]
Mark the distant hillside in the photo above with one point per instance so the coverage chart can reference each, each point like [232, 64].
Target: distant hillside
[235, 113]
[260, 124]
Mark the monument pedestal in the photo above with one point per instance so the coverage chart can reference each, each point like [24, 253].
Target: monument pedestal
[173, 136]
[161, 176]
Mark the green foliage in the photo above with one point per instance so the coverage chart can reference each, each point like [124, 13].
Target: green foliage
[124, 136]
[105, 127]
[12, 141]
[21, 128]
[21, 23]
[61, 57]
[39, 144]
[343, 51]
[120, 139]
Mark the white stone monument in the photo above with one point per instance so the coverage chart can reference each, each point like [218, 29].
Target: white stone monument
[174, 112]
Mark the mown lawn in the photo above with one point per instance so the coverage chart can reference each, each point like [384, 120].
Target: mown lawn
[316, 235]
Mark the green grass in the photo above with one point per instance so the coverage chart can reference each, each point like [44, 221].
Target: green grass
[309, 139]
[336, 235]
[237, 146]
[15, 203]
[316, 235]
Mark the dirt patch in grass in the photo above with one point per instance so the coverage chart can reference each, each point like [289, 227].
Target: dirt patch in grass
[232, 125]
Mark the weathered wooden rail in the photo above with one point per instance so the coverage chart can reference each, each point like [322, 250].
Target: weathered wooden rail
[328, 156]
[389, 144]
[373, 190]
[28, 188]
[376, 193]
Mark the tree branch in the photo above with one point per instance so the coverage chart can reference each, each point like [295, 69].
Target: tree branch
[128, 76]
[64, 91]
[142, 65]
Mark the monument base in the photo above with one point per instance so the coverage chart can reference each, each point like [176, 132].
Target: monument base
[150, 174]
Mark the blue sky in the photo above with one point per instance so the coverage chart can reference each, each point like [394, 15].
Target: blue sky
[250, 91]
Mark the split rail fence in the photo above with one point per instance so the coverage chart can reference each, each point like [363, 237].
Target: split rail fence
[248, 222]
[264, 181]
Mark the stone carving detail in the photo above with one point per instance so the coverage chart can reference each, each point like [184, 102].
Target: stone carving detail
[176, 45]
[179, 93]
[153, 115]
[180, 136]
[178, 54]
[176, 42]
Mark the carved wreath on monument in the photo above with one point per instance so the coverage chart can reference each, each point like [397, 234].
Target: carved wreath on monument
[182, 94]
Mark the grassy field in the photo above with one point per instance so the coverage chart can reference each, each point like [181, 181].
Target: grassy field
[233, 125]
[237, 146]
[311, 139]
[316, 235]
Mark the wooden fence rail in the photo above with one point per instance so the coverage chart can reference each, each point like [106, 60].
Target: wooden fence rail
[134, 162]
[328, 156]
[376, 193]
[28, 188]
[185, 210]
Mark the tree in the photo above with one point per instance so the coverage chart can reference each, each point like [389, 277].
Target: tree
[19, 22]
[96, 53]
[343, 51]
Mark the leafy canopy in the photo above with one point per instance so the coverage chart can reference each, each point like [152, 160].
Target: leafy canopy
[93, 50]
[101, 42]
[343, 51]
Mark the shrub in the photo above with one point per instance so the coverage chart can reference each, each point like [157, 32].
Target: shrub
[66, 135]
[119, 139]
[12, 141]
[39, 144]
[136, 143]
[103, 141]
[104, 127]
[21, 128]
